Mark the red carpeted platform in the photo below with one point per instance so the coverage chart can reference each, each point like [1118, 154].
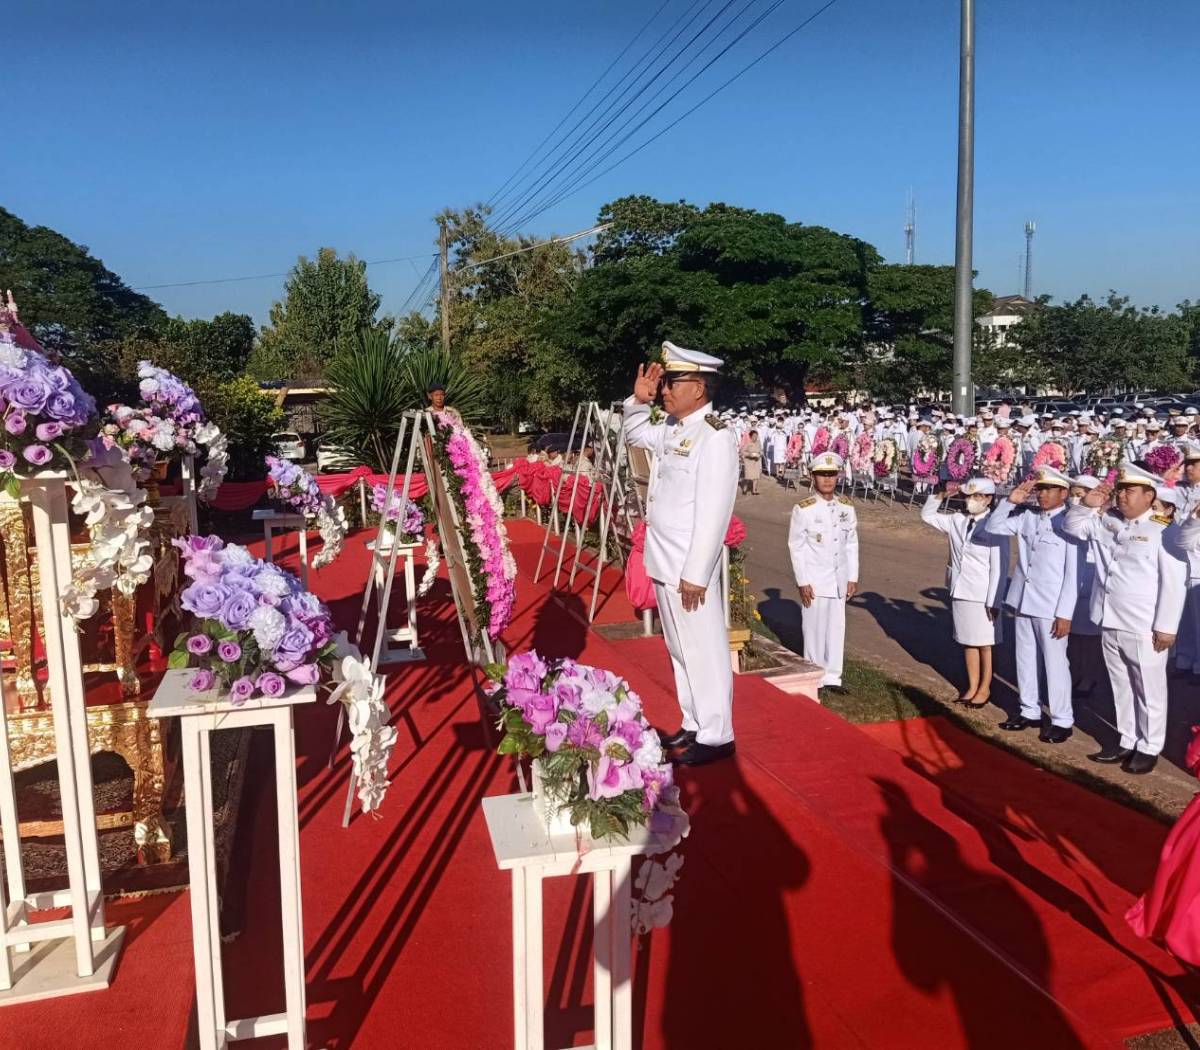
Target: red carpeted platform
[911, 887]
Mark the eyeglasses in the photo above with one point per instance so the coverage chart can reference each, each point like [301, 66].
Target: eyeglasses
[670, 379]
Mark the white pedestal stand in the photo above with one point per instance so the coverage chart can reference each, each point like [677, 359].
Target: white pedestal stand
[522, 846]
[409, 650]
[199, 715]
[75, 954]
[281, 521]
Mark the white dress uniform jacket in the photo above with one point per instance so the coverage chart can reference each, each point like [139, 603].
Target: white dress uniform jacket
[823, 541]
[1141, 575]
[689, 503]
[1045, 584]
[690, 498]
[978, 567]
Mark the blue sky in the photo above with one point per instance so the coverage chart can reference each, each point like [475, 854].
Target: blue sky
[188, 142]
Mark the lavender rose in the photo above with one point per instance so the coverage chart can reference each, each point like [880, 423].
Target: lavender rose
[30, 392]
[64, 406]
[202, 681]
[242, 689]
[38, 455]
[204, 599]
[199, 644]
[15, 423]
[237, 610]
[306, 674]
[271, 684]
[49, 431]
[7, 459]
[229, 651]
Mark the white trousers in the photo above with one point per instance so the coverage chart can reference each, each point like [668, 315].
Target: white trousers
[699, 648]
[1187, 643]
[1034, 642]
[1139, 685]
[825, 636]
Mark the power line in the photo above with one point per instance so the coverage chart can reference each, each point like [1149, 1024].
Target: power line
[687, 113]
[595, 84]
[604, 109]
[261, 276]
[625, 132]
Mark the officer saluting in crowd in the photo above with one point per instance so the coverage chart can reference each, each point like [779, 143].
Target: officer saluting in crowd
[823, 541]
[1137, 599]
[689, 504]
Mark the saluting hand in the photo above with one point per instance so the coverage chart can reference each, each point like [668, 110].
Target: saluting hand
[1022, 492]
[645, 386]
[1097, 497]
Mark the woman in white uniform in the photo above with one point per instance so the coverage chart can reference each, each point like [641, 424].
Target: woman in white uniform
[976, 576]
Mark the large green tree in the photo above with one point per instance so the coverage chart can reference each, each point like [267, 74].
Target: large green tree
[779, 300]
[326, 303]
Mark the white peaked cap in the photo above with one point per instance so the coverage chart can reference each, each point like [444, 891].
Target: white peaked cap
[1050, 476]
[677, 359]
[1085, 481]
[826, 463]
[1027, 421]
[1166, 495]
[979, 487]
[1131, 474]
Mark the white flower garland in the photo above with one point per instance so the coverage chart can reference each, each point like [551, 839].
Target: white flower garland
[371, 737]
[433, 558]
[216, 466]
[110, 501]
[331, 523]
[652, 904]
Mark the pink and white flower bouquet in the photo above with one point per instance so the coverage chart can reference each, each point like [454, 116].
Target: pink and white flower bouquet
[490, 565]
[1104, 458]
[999, 459]
[886, 457]
[411, 530]
[863, 453]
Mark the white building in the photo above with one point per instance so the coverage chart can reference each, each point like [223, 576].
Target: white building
[1006, 311]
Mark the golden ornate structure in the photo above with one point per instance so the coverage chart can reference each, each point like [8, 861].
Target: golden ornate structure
[121, 727]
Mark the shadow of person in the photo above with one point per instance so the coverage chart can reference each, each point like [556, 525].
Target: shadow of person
[1001, 990]
[731, 977]
[785, 617]
[560, 626]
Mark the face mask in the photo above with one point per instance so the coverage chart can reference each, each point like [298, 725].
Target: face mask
[976, 504]
[1076, 500]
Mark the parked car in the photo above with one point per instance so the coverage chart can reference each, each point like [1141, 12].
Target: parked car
[555, 442]
[335, 457]
[290, 445]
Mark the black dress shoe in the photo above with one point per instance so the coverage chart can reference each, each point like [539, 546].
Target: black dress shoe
[1137, 762]
[1055, 734]
[1111, 755]
[680, 738]
[698, 754]
[1015, 725]
[837, 690]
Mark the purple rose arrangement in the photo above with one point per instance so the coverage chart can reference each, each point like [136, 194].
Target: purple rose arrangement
[297, 489]
[490, 565]
[598, 757]
[257, 630]
[44, 412]
[169, 422]
[412, 523]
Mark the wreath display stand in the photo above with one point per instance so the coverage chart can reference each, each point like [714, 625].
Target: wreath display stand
[200, 715]
[283, 521]
[612, 492]
[44, 960]
[400, 644]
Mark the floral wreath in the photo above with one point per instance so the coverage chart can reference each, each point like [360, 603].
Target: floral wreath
[885, 457]
[1051, 454]
[862, 453]
[960, 459]
[1104, 458]
[840, 445]
[999, 459]
[795, 448]
[490, 566]
[821, 441]
[413, 525]
[925, 458]
[1162, 460]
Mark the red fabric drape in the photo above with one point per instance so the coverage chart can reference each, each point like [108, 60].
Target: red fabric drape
[638, 588]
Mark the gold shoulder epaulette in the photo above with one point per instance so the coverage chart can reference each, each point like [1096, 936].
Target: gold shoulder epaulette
[715, 421]
[845, 500]
[807, 502]
[1161, 519]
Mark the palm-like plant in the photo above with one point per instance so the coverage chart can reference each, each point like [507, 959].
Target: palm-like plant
[376, 380]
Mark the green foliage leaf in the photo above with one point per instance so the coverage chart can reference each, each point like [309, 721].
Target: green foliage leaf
[178, 658]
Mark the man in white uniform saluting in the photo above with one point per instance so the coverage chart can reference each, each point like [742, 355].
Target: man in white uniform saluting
[823, 543]
[688, 507]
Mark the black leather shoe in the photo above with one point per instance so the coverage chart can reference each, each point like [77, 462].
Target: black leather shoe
[1139, 763]
[1055, 734]
[1015, 725]
[680, 738]
[1111, 755]
[837, 690]
[698, 754]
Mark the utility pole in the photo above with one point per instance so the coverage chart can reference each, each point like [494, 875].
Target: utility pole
[910, 230]
[962, 397]
[1030, 229]
[445, 265]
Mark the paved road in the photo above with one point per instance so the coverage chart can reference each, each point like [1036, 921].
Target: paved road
[900, 623]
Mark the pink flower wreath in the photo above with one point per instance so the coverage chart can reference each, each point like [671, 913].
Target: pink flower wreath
[864, 452]
[960, 459]
[999, 459]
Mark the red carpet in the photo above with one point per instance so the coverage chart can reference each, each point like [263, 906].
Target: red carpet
[919, 889]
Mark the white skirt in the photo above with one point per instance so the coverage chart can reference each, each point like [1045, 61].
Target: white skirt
[972, 626]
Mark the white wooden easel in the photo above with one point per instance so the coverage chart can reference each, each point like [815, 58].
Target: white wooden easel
[284, 521]
[44, 960]
[407, 649]
[522, 846]
[201, 714]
